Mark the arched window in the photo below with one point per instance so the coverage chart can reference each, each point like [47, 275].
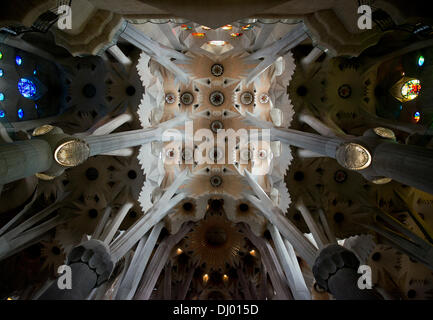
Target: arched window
[27, 88]
[411, 89]
[421, 61]
[20, 113]
[18, 60]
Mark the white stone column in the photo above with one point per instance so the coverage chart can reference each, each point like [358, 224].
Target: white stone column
[294, 277]
[263, 35]
[118, 54]
[139, 262]
[163, 55]
[308, 60]
[267, 56]
[160, 258]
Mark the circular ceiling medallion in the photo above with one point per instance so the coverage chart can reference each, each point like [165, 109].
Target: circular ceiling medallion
[170, 153]
[187, 98]
[247, 98]
[345, 91]
[246, 154]
[216, 154]
[264, 98]
[216, 125]
[262, 154]
[216, 181]
[340, 176]
[187, 154]
[217, 70]
[216, 98]
[170, 98]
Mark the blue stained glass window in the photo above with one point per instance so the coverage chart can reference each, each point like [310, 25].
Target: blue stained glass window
[2, 96]
[20, 113]
[27, 88]
[35, 72]
[36, 106]
[2, 114]
[18, 60]
[1, 73]
[421, 61]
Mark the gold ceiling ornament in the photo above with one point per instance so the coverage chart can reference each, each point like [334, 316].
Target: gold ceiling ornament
[40, 131]
[215, 241]
[383, 180]
[72, 153]
[384, 133]
[354, 156]
[44, 176]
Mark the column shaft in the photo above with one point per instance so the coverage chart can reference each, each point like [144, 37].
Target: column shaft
[121, 140]
[309, 141]
[410, 165]
[21, 159]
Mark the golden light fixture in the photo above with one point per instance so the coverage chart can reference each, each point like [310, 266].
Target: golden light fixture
[225, 278]
[179, 251]
[40, 131]
[72, 153]
[384, 133]
[382, 180]
[44, 176]
[205, 278]
[253, 253]
[353, 156]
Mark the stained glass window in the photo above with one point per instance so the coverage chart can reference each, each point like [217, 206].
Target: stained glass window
[198, 34]
[227, 27]
[236, 34]
[417, 116]
[1, 73]
[27, 88]
[18, 60]
[20, 113]
[421, 61]
[2, 114]
[1, 55]
[247, 27]
[411, 89]
[2, 96]
[185, 27]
